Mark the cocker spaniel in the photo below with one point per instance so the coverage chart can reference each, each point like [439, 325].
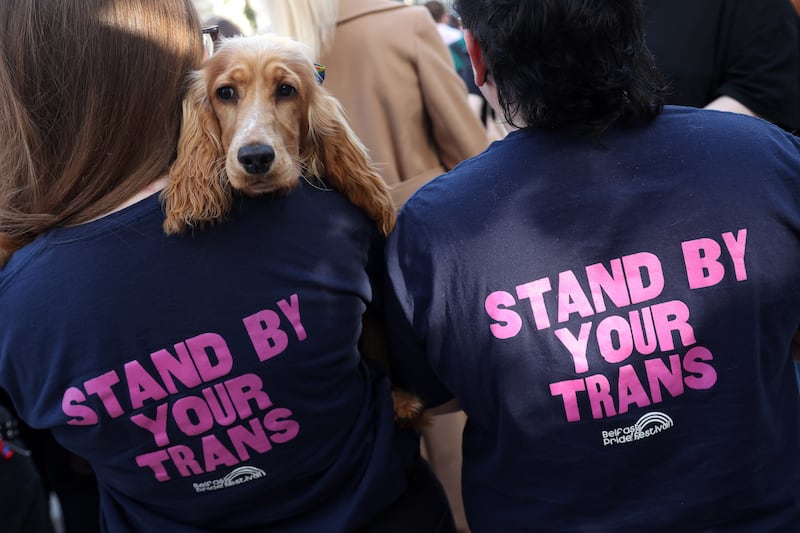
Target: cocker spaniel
[257, 119]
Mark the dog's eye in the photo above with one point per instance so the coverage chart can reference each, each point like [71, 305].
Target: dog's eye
[226, 93]
[285, 90]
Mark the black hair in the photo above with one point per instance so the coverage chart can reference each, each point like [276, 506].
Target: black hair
[569, 65]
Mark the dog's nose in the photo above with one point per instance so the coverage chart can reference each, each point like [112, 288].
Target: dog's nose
[256, 158]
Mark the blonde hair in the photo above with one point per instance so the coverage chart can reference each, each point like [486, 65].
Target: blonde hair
[90, 106]
[312, 22]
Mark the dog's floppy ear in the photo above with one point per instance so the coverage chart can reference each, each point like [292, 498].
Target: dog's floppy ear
[198, 191]
[334, 152]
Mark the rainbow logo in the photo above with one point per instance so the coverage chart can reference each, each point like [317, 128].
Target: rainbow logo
[655, 419]
[648, 425]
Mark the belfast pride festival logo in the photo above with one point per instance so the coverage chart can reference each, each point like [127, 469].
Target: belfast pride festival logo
[243, 474]
[647, 426]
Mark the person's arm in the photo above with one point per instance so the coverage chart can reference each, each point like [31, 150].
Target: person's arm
[796, 346]
[457, 131]
[450, 406]
[408, 363]
[407, 297]
[404, 304]
[731, 105]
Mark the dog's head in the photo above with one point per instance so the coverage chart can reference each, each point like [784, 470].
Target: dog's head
[259, 90]
[256, 119]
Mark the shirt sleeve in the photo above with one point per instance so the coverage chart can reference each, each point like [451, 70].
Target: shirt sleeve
[406, 317]
[762, 60]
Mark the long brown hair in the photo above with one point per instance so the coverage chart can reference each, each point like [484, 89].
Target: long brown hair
[90, 106]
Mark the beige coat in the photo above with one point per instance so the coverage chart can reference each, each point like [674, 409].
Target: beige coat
[396, 81]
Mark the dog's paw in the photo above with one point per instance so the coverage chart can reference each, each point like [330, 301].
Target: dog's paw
[409, 411]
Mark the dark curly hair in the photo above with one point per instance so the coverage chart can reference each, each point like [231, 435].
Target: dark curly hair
[577, 66]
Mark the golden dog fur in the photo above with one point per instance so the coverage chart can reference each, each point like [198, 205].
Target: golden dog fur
[257, 120]
[263, 91]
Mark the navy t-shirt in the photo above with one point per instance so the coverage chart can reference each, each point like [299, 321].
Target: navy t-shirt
[212, 380]
[615, 318]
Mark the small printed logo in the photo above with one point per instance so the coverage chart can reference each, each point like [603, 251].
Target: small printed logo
[243, 474]
[647, 426]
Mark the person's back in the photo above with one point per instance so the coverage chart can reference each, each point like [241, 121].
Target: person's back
[633, 328]
[216, 373]
[212, 380]
[610, 300]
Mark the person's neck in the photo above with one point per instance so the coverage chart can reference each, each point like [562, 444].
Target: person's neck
[489, 91]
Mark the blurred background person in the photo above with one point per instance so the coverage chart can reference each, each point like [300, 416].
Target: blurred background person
[730, 55]
[395, 79]
[453, 38]
[227, 28]
[24, 504]
[451, 35]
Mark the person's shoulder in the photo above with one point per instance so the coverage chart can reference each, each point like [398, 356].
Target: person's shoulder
[462, 185]
[388, 17]
[350, 9]
[699, 115]
[738, 146]
[724, 126]
[12, 271]
[406, 16]
[313, 207]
